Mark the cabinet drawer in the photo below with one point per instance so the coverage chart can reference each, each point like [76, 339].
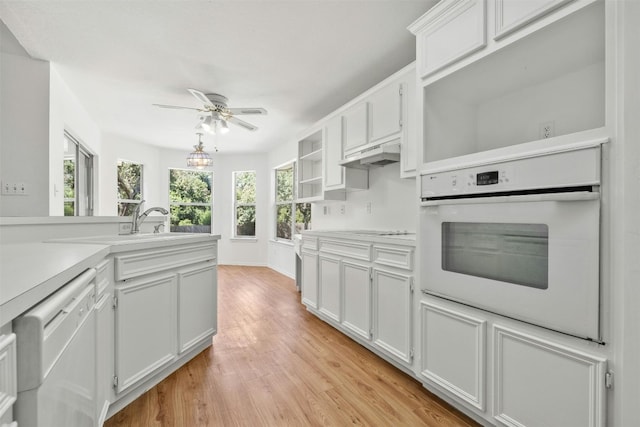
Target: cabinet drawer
[310, 243]
[393, 257]
[152, 261]
[8, 379]
[350, 249]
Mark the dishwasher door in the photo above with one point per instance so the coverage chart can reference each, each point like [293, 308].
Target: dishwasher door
[56, 348]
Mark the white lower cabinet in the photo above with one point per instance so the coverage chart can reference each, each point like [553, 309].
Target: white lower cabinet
[197, 302]
[508, 373]
[8, 377]
[145, 322]
[104, 353]
[329, 286]
[356, 297]
[393, 314]
[541, 383]
[309, 287]
[453, 352]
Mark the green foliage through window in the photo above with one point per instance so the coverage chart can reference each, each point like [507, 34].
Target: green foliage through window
[287, 222]
[245, 203]
[129, 187]
[190, 197]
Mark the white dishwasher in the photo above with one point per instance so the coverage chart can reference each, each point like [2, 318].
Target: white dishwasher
[57, 358]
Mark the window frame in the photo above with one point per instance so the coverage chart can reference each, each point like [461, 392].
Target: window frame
[131, 201]
[292, 203]
[83, 177]
[236, 205]
[201, 204]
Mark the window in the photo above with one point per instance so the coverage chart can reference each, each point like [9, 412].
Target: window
[78, 178]
[129, 187]
[244, 199]
[291, 217]
[190, 200]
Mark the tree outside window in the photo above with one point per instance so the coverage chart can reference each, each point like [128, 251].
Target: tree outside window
[244, 186]
[190, 200]
[129, 187]
[78, 178]
[291, 217]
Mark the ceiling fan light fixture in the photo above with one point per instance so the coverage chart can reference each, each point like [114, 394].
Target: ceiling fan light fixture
[224, 127]
[199, 158]
[208, 124]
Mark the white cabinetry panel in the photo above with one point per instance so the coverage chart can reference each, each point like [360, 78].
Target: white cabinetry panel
[386, 113]
[540, 383]
[333, 151]
[392, 313]
[145, 328]
[197, 305]
[355, 126]
[309, 288]
[454, 29]
[329, 286]
[513, 15]
[356, 285]
[8, 373]
[453, 352]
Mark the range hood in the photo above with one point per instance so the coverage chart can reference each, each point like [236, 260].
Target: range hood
[373, 155]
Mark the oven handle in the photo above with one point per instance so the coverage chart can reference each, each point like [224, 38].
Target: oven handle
[576, 196]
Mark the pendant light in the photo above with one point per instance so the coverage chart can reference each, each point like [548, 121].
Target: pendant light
[199, 158]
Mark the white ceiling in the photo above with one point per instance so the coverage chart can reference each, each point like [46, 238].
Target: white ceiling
[299, 59]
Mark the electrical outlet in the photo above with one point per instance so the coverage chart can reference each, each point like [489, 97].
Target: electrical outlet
[21, 189]
[368, 207]
[547, 130]
[342, 209]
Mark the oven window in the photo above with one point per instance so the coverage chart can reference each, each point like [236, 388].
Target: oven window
[512, 253]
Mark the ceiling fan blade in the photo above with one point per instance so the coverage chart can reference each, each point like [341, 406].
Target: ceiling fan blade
[200, 97]
[236, 121]
[176, 107]
[241, 111]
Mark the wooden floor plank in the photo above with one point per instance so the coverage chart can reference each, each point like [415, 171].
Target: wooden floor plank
[274, 364]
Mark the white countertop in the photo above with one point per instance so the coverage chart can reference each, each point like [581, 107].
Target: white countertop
[29, 272]
[374, 236]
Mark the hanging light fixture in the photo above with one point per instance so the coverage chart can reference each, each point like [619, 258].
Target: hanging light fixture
[223, 128]
[199, 158]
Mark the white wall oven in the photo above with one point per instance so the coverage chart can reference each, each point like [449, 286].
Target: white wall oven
[520, 238]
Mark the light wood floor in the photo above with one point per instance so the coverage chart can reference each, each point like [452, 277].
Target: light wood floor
[274, 364]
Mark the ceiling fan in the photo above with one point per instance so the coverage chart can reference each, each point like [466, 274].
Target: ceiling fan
[215, 112]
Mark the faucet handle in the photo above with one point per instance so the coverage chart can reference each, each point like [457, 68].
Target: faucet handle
[156, 228]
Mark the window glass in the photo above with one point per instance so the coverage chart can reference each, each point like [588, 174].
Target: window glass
[244, 187]
[291, 217]
[129, 187]
[191, 200]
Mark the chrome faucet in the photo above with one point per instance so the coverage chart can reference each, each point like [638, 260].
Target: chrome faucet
[137, 219]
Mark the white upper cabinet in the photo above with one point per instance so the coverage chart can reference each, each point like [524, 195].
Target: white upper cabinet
[355, 125]
[386, 112]
[448, 32]
[512, 15]
[333, 172]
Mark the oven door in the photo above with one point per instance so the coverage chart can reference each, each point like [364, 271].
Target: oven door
[533, 258]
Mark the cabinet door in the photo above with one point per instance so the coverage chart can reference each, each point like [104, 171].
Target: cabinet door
[309, 287]
[355, 126]
[8, 376]
[386, 113]
[392, 314]
[356, 288]
[450, 31]
[197, 305]
[453, 352]
[145, 325]
[329, 287]
[104, 354]
[333, 172]
[513, 15]
[540, 383]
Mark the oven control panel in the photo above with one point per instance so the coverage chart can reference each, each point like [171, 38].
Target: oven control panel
[551, 170]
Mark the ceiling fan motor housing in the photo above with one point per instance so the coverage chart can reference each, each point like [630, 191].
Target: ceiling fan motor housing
[218, 100]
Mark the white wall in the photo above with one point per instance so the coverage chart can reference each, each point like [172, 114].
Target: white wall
[24, 128]
[67, 114]
[392, 200]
